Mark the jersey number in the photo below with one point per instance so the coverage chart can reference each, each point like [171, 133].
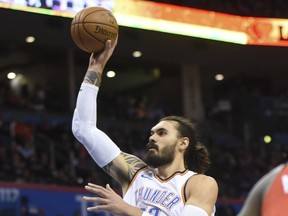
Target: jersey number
[151, 210]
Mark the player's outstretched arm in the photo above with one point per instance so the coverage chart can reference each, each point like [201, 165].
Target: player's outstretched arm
[102, 149]
[201, 192]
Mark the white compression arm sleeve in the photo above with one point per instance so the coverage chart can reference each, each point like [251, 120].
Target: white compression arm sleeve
[190, 210]
[101, 148]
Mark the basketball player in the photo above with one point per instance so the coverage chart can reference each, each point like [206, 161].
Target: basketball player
[269, 196]
[166, 186]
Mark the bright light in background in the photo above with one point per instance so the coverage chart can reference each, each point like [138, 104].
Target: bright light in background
[267, 139]
[219, 77]
[17, 83]
[137, 54]
[111, 74]
[11, 75]
[30, 39]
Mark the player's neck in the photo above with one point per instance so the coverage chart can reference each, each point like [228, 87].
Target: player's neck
[168, 170]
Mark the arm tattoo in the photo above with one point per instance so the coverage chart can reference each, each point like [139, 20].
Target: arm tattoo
[93, 77]
[133, 163]
[107, 168]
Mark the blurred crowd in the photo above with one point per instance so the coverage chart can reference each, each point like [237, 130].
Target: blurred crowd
[37, 146]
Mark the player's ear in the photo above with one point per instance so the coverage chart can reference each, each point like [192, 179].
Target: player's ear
[184, 142]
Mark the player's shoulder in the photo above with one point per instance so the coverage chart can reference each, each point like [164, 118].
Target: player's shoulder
[202, 177]
[202, 182]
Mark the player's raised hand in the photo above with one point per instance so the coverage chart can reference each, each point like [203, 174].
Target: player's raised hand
[98, 61]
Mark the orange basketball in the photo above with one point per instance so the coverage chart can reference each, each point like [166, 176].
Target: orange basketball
[92, 27]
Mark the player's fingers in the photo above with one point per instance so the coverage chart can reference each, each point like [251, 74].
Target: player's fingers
[97, 190]
[108, 44]
[109, 188]
[107, 52]
[93, 185]
[98, 187]
[115, 41]
[92, 57]
[98, 208]
[98, 200]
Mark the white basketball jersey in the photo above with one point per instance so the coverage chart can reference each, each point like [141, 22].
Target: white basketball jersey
[156, 196]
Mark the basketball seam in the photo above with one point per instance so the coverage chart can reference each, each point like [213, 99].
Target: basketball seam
[82, 43]
[97, 23]
[91, 35]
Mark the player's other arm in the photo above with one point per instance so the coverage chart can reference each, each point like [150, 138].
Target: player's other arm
[123, 168]
[102, 149]
[201, 192]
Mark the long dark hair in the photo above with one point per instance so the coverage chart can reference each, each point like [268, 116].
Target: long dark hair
[196, 157]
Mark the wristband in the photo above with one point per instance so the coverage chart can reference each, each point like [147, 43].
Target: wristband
[193, 210]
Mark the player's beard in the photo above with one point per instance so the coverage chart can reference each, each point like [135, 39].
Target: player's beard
[157, 159]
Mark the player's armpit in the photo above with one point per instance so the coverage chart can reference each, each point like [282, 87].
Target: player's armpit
[124, 167]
